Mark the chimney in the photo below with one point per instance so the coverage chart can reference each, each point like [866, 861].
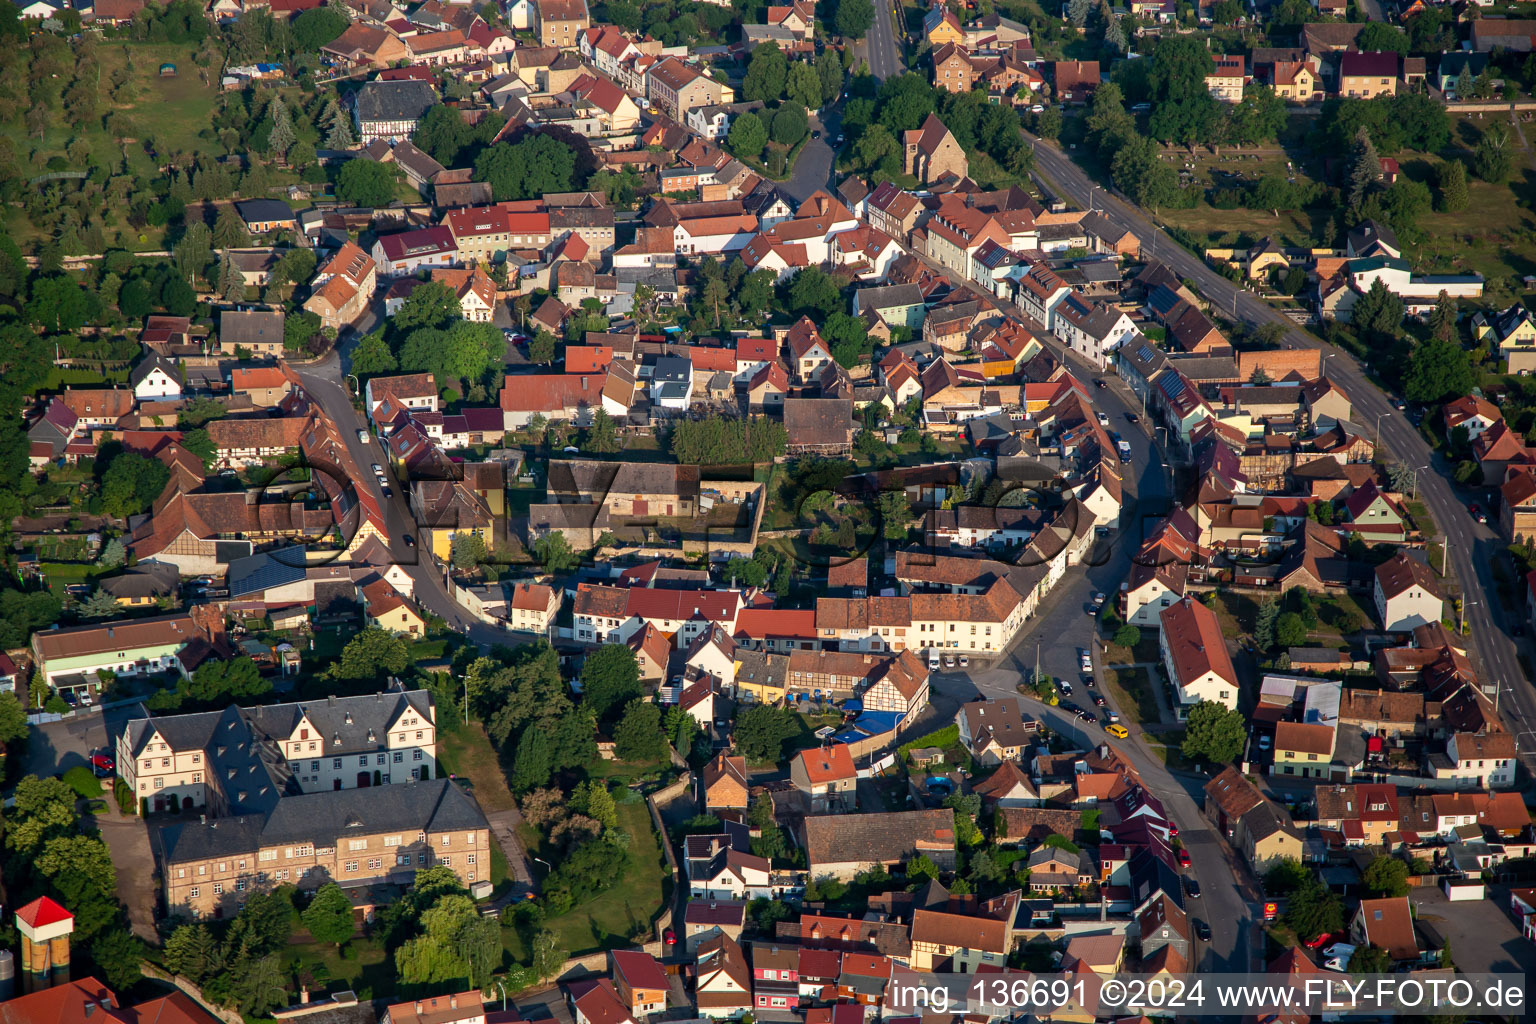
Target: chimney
[418, 1007]
[453, 1002]
[303, 995]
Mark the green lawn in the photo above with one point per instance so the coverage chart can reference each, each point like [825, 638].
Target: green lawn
[466, 752]
[369, 973]
[632, 904]
[1131, 691]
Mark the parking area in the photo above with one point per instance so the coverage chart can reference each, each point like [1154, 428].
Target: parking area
[55, 747]
[1484, 939]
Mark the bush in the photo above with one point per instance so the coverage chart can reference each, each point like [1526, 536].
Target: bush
[123, 795]
[83, 781]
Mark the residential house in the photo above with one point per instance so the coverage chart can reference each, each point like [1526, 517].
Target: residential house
[1367, 75]
[1407, 594]
[259, 333]
[960, 943]
[826, 779]
[1386, 923]
[356, 837]
[640, 982]
[561, 23]
[155, 378]
[1194, 655]
[722, 980]
[842, 845]
[706, 919]
[723, 785]
[343, 287]
[994, 730]
[390, 110]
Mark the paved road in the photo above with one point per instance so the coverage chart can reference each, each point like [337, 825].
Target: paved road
[884, 49]
[814, 166]
[1473, 549]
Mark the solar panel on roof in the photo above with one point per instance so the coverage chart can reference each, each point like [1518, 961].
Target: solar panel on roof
[1144, 353]
[1173, 385]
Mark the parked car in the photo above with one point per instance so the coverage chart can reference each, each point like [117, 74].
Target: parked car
[1064, 687]
[1183, 857]
[1117, 730]
[1264, 742]
[378, 470]
[1098, 700]
[103, 765]
[1099, 383]
[1192, 887]
[1103, 420]
[669, 937]
[964, 661]
[1131, 417]
[1202, 931]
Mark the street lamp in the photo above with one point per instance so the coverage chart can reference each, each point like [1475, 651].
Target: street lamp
[353, 378]
[503, 995]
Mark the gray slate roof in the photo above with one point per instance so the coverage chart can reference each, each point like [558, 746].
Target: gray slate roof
[324, 818]
[394, 101]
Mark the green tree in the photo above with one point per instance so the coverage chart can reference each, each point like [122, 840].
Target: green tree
[79, 871]
[1285, 876]
[229, 230]
[535, 165]
[1290, 630]
[767, 74]
[1438, 370]
[638, 735]
[366, 183]
[803, 85]
[895, 514]
[281, 138]
[1364, 169]
[1386, 876]
[1452, 182]
[432, 304]
[854, 17]
[100, 605]
[1214, 732]
[547, 955]
[592, 798]
[372, 357]
[1127, 636]
[602, 436]
[1314, 910]
[467, 550]
[541, 347]
[118, 952]
[1493, 159]
[1442, 319]
[554, 553]
[194, 953]
[748, 135]
[313, 29]
[13, 719]
[1264, 624]
[260, 984]
[530, 768]
[329, 915]
[131, 483]
[830, 70]
[789, 123]
[878, 149]
[1370, 960]
[1378, 312]
[761, 731]
[371, 653]
[610, 679]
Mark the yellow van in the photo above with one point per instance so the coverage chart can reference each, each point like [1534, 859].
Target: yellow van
[1117, 731]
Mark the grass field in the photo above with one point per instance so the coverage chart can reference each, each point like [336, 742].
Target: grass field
[466, 752]
[1131, 691]
[632, 904]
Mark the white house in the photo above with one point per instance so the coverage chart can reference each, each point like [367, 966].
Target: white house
[1407, 594]
[155, 378]
[407, 252]
[672, 383]
[1478, 760]
[1194, 654]
[730, 875]
[1093, 330]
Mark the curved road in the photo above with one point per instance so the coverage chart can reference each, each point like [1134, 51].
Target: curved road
[1473, 548]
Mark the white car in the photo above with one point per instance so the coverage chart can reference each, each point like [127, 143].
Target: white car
[378, 470]
[362, 435]
[1103, 420]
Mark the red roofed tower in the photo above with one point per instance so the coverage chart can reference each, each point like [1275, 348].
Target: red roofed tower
[45, 928]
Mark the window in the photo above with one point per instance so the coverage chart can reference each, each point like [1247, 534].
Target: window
[357, 844]
[159, 783]
[267, 855]
[218, 888]
[382, 758]
[197, 776]
[181, 872]
[418, 734]
[445, 860]
[362, 762]
[416, 755]
[391, 840]
[375, 862]
[314, 766]
[165, 762]
[399, 757]
[470, 859]
[240, 885]
[402, 860]
[350, 865]
[447, 840]
[282, 876]
[194, 892]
